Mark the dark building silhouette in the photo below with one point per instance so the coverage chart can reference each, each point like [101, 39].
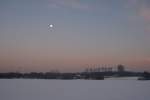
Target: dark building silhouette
[144, 76]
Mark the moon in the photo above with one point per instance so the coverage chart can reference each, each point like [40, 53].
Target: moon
[50, 25]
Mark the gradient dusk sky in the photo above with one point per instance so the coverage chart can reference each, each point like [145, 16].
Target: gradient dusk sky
[84, 32]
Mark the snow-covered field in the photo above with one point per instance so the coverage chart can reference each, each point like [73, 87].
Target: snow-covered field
[27, 89]
[122, 78]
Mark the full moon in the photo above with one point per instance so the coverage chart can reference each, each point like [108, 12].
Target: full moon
[50, 25]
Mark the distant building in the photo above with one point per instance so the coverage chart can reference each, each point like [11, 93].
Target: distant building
[121, 68]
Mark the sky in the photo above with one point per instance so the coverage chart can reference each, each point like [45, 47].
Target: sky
[84, 32]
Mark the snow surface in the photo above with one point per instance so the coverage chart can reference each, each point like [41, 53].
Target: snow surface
[122, 78]
[34, 89]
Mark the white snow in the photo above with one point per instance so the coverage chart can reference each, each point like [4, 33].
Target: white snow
[27, 89]
[122, 78]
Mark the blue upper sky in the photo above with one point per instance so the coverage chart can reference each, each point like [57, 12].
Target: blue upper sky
[85, 32]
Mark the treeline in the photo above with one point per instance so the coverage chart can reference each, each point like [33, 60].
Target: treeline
[32, 75]
[57, 75]
[52, 75]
